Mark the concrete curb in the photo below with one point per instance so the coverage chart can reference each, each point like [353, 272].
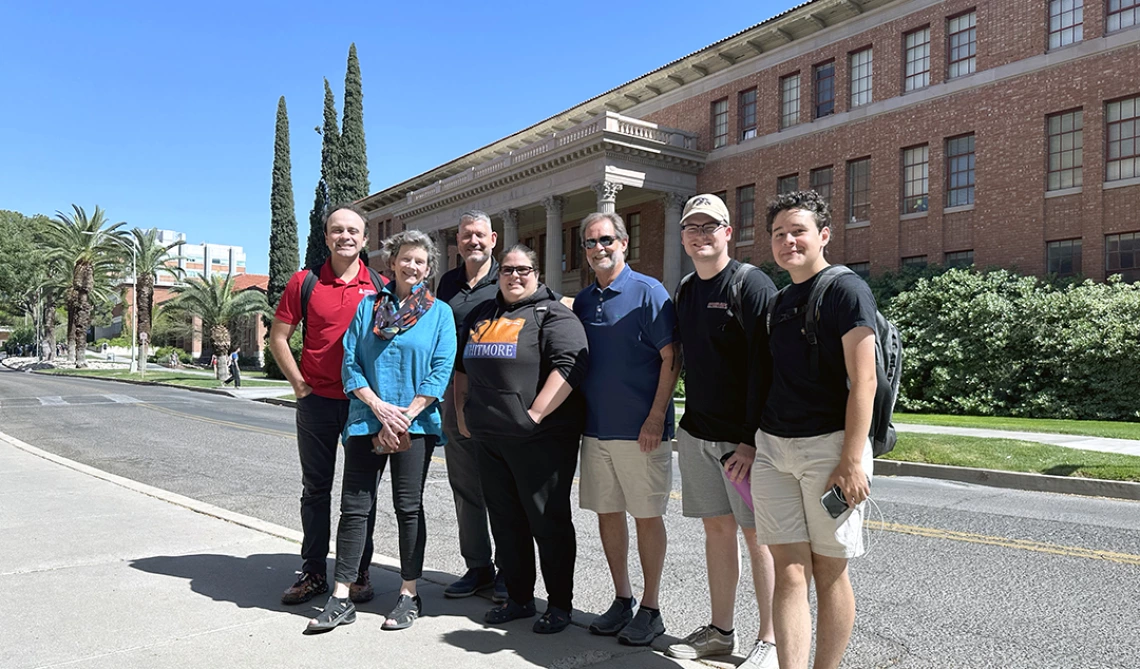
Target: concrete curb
[136, 382]
[1015, 480]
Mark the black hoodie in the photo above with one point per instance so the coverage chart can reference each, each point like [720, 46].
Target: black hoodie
[507, 352]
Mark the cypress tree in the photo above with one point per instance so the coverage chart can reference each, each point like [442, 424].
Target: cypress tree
[352, 176]
[317, 251]
[283, 255]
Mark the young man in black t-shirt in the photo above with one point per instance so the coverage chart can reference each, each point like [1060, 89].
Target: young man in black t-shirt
[814, 436]
[717, 348]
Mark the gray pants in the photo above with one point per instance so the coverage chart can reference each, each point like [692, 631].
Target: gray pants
[466, 485]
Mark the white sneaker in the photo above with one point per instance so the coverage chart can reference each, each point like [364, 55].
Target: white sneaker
[763, 656]
[703, 642]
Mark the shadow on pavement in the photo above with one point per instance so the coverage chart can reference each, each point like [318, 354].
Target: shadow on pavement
[575, 645]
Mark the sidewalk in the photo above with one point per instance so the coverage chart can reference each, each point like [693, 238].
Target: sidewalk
[1121, 446]
[102, 572]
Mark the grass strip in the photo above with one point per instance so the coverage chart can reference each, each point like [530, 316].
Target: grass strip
[1091, 428]
[174, 378]
[1014, 456]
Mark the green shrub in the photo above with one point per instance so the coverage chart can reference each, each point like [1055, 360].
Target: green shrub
[162, 354]
[270, 367]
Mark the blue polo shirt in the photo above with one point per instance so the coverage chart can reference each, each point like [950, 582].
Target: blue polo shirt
[627, 325]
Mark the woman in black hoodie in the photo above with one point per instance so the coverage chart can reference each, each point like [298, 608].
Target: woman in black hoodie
[521, 357]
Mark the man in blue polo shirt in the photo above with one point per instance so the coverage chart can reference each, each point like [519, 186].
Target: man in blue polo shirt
[627, 459]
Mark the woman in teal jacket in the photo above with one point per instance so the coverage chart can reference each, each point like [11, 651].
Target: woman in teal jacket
[398, 355]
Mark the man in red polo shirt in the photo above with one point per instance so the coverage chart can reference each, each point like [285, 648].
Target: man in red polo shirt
[322, 407]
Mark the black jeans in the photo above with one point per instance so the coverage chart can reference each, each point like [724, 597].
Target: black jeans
[527, 489]
[320, 420]
[362, 470]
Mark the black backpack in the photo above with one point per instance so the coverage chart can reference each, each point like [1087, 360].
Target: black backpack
[310, 284]
[888, 356]
[734, 288]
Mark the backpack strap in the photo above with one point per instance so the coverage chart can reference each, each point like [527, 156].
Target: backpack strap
[307, 287]
[823, 281]
[735, 287]
[681, 288]
[377, 280]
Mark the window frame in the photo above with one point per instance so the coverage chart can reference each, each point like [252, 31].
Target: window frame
[793, 179]
[922, 75]
[1131, 273]
[747, 131]
[968, 62]
[789, 117]
[745, 230]
[853, 206]
[814, 183]
[1056, 28]
[914, 261]
[862, 96]
[1131, 160]
[952, 259]
[920, 201]
[1055, 151]
[633, 226]
[1073, 256]
[818, 101]
[718, 123]
[1123, 13]
[953, 170]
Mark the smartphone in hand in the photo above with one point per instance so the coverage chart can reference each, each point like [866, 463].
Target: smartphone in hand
[834, 502]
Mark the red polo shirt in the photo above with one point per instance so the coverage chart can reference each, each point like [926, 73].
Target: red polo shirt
[331, 308]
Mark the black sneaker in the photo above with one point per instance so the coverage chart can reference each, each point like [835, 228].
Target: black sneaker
[473, 581]
[361, 591]
[308, 586]
[643, 629]
[614, 619]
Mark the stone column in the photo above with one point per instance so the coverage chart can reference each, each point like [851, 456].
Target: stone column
[510, 228]
[675, 262]
[553, 276]
[607, 195]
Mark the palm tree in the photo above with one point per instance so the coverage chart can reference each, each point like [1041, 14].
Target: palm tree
[151, 258]
[92, 251]
[220, 308]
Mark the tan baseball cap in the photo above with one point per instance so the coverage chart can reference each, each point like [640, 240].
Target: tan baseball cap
[707, 204]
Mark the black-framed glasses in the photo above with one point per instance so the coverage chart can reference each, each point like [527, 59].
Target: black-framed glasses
[606, 241]
[522, 271]
[706, 229]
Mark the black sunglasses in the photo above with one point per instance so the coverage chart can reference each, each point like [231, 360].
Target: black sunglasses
[507, 270]
[606, 241]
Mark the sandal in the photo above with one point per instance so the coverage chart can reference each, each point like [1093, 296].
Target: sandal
[553, 621]
[336, 612]
[406, 611]
[509, 611]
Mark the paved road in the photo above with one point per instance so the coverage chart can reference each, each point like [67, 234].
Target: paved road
[957, 576]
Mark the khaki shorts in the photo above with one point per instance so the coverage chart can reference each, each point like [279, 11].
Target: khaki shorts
[788, 478]
[616, 477]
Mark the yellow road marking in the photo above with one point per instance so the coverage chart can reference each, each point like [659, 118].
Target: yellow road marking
[913, 530]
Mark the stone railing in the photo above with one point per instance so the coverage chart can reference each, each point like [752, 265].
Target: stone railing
[609, 122]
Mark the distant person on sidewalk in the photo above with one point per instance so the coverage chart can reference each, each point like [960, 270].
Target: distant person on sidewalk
[627, 453]
[398, 355]
[522, 357]
[814, 436]
[464, 288]
[325, 300]
[235, 370]
[720, 311]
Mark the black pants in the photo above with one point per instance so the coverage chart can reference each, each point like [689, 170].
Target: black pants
[526, 486]
[320, 421]
[362, 469]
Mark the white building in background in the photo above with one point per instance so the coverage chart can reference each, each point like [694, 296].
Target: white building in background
[203, 260]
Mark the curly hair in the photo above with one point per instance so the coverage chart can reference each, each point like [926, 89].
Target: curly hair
[390, 248]
[805, 200]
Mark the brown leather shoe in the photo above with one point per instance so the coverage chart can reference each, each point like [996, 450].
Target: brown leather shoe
[361, 590]
[306, 587]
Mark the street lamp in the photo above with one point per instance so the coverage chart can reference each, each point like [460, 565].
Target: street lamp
[134, 313]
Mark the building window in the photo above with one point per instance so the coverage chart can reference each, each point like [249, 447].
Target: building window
[576, 250]
[960, 171]
[720, 123]
[824, 77]
[745, 209]
[789, 100]
[863, 269]
[1122, 255]
[540, 250]
[1122, 14]
[1063, 258]
[960, 259]
[1066, 22]
[787, 184]
[723, 195]
[1066, 143]
[914, 261]
[962, 45]
[916, 179]
[748, 114]
[821, 182]
[859, 190]
[634, 229]
[1123, 139]
[917, 60]
[861, 66]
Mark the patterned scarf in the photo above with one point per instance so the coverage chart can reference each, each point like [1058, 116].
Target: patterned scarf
[390, 318]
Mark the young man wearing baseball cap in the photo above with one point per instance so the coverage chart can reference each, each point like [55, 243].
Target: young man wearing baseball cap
[718, 348]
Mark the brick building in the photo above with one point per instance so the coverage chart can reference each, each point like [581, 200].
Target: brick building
[994, 132]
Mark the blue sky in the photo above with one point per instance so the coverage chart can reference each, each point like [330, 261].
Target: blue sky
[163, 113]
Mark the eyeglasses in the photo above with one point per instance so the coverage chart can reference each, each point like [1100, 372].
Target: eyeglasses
[507, 270]
[706, 229]
[606, 241]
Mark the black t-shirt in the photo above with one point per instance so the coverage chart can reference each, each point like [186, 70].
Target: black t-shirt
[798, 406]
[720, 356]
[462, 298]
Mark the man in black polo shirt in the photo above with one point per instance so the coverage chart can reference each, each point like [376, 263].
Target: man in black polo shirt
[718, 348]
[464, 288]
